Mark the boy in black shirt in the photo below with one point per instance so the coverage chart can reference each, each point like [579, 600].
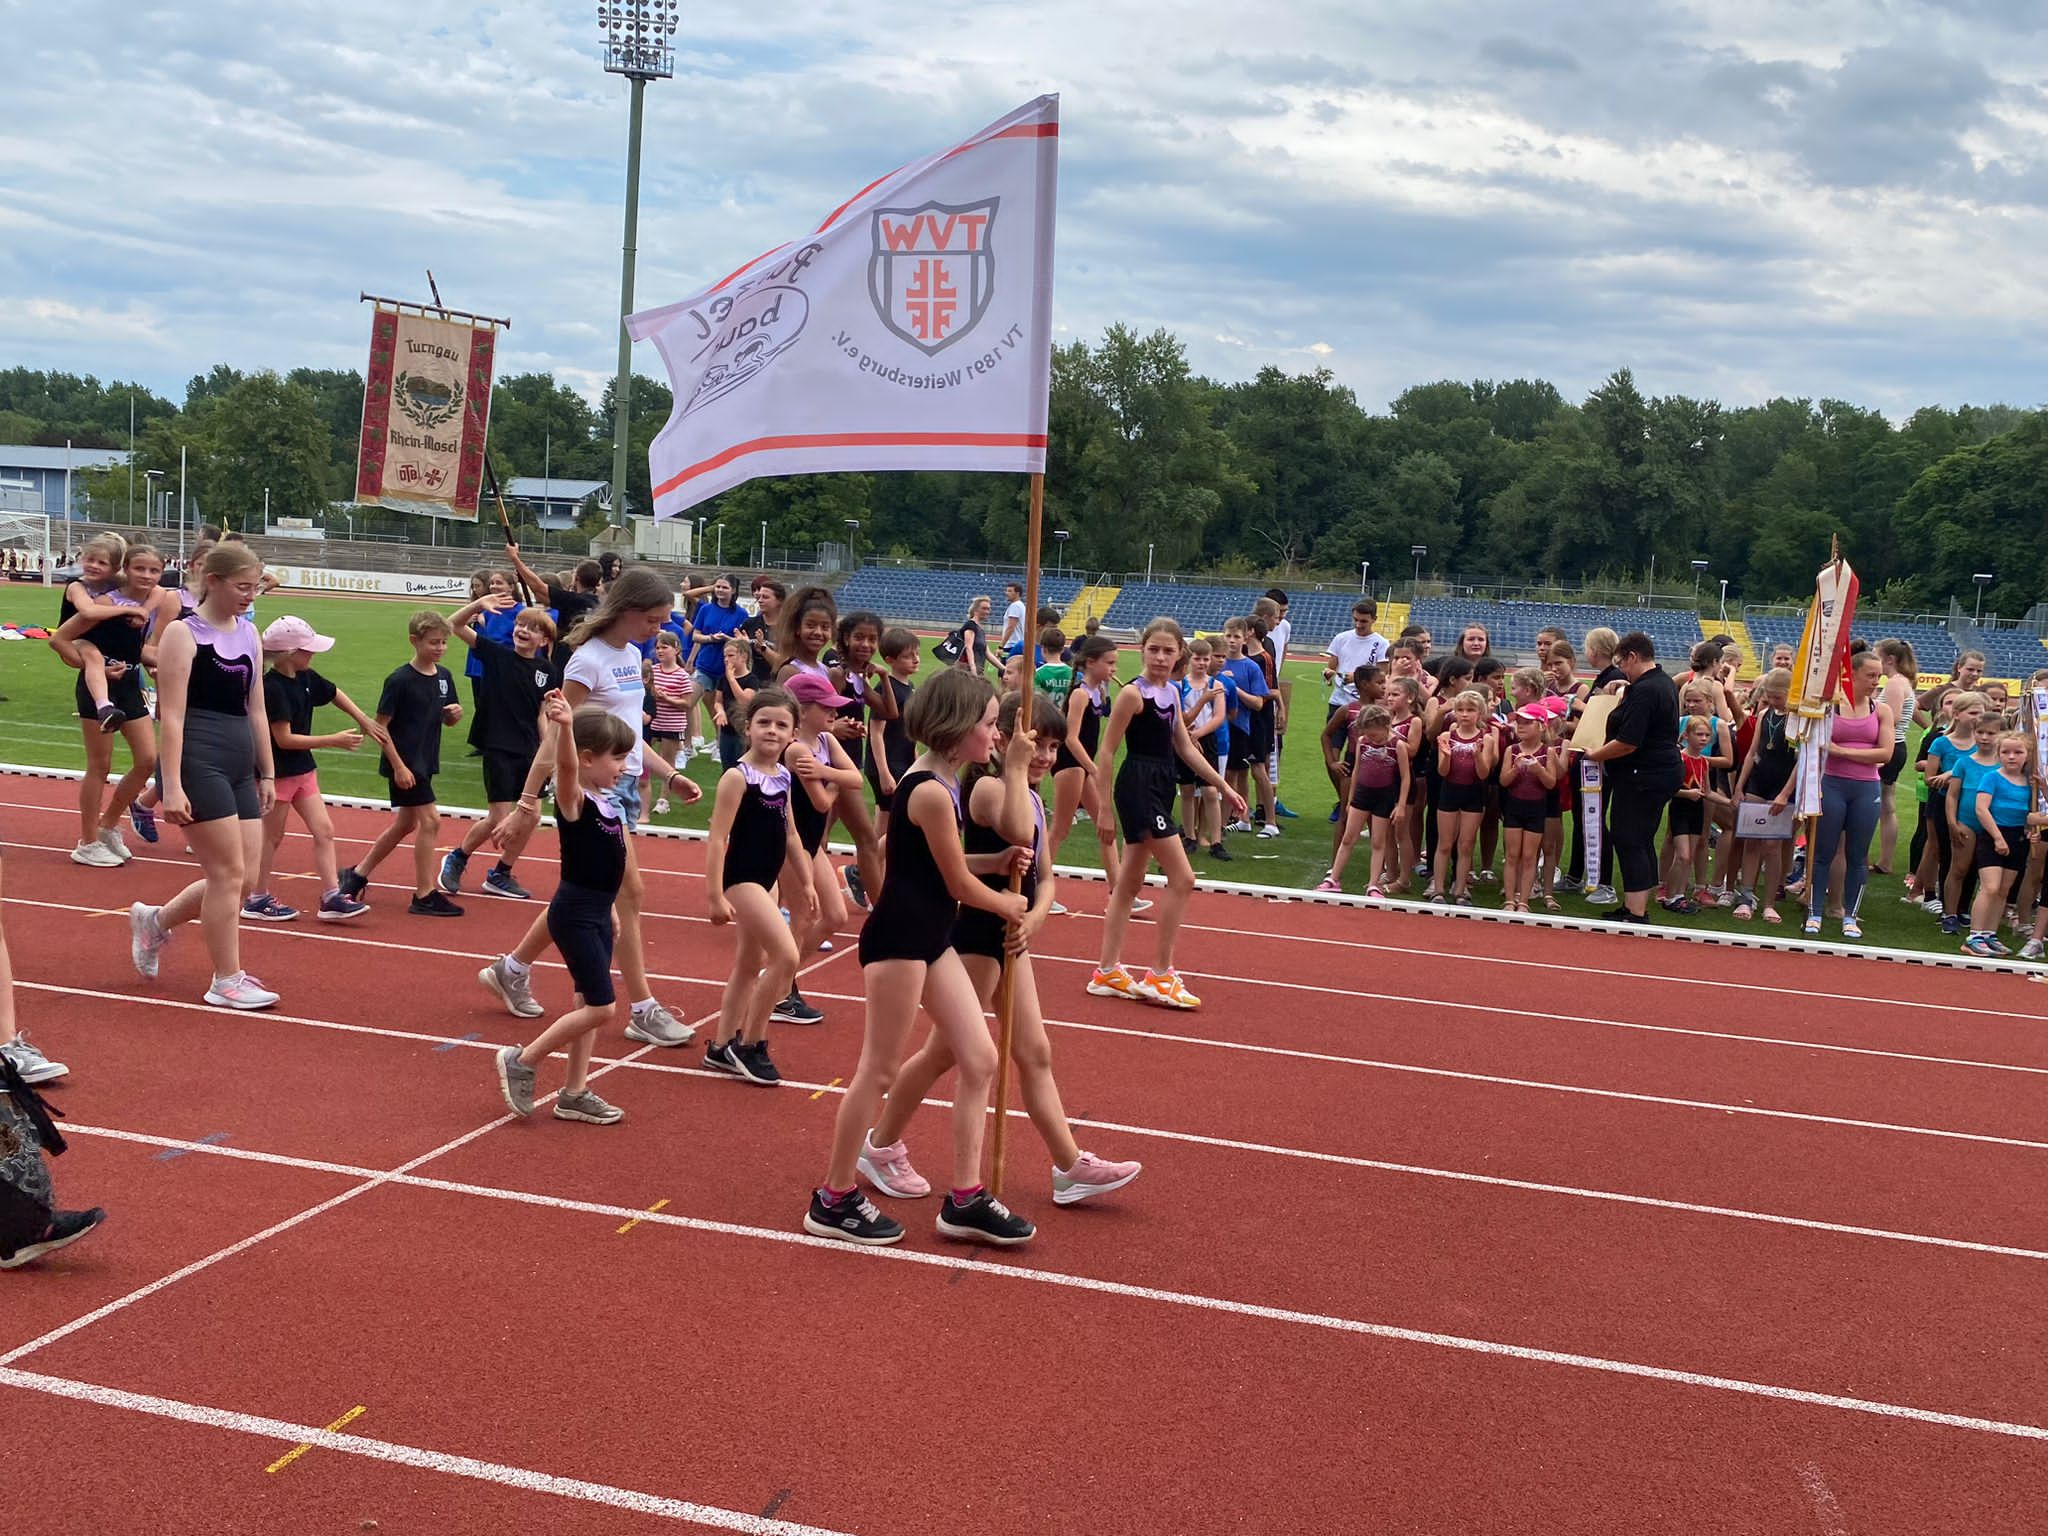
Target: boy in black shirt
[418, 700]
[515, 679]
[570, 604]
[292, 690]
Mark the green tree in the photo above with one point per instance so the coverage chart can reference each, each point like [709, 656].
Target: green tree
[265, 434]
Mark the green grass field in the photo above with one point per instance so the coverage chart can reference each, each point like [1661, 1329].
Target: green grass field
[38, 728]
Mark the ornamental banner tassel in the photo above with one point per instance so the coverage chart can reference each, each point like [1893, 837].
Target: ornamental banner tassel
[426, 412]
[1590, 781]
[1820, 671]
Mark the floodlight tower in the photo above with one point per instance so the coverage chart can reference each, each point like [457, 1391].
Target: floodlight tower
[636, 45]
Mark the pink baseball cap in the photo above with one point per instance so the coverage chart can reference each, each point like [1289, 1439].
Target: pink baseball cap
[811, 688]
[294, 634]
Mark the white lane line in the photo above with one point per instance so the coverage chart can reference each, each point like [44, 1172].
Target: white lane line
[1716, 938]
[522, 1478]
[1827, 1509]
[1775, 1042]
[1214, 1304]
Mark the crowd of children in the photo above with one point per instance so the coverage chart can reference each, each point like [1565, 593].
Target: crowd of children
[1459, 771]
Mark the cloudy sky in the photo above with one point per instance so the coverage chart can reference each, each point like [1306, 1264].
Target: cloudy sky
[1739, 199]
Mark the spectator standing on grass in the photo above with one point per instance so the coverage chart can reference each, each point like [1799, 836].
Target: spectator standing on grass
[605, 670]
[570, 603]
[1355, 647]
[1273, 606]
[292, 690]
[1013, 621]
[717, 619]
[1859, 745]
[759, 628]
[218, 775]
[417, 702]
[1642, 767]
[973, 642]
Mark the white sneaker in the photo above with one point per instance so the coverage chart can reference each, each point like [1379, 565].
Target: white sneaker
[240, 990]
[661, 807]
[1240, 825]
[146, 939]
[1270, 829]
[97, 854]
[1140, 904]
[110, 838]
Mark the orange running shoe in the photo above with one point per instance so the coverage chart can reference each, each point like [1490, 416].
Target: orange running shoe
[1114, 983]
[1166, 987]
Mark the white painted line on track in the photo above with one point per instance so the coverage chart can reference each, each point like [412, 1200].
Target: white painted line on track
[1192, 1300]
[1541, 921]
[521, 1478]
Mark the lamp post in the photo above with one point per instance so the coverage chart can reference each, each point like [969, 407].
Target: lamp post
[1148, 563]
[853, 543]
[764, 544]
[1364, 576]
[636, 34]
[1699, 568]
[149, 502]
[1983, 580]
[1418, 551]
[1724, 600]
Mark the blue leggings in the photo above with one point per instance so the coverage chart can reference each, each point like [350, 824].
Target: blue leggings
[1848, 806]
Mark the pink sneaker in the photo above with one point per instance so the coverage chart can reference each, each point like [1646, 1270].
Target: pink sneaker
[240, 990]
[1089, 1177]
[889, 1170]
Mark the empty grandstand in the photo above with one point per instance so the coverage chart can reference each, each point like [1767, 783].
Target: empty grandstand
[1512, 626]
[2007, 652]
[941, 597]
[1933, 646]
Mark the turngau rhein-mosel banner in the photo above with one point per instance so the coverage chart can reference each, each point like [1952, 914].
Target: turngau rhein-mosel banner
[911, 330]
[426, 411]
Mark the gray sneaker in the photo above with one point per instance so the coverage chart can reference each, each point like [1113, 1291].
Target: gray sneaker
[146, 939]
[515, 992]
[588, 1108]
[1602, 896]
[657, 1026]
[515, 1081]
[31, 1063]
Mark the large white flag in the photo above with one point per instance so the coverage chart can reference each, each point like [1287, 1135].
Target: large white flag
[911, 330]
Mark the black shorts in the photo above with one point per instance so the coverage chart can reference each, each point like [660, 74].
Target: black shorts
[2015, 855]
[422, 791]
[1144, 799]
[1241, 754]
[580, 923]
[218, 767]
[1688, 818]
[123, 692]
[665, 742]
[1519, 813]
[1896, 765]
[1454, 798]
[1381, 802]
[1262, 734]
[504, 775]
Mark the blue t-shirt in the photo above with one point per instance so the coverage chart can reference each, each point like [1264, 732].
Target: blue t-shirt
[2010, 802]
[1250, 678]
[1970, 775]
[1229, 710]
[496, 627]
[1944, 751]
[713, 624]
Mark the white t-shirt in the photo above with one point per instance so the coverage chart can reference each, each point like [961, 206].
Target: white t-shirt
[1280, 634]
[1013, 625]
[1352, 651]
[612, 674]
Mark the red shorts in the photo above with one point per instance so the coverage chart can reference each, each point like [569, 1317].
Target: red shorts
[298, 786]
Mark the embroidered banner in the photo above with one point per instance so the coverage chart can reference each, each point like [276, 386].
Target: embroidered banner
[426, 411]
[1591, 782]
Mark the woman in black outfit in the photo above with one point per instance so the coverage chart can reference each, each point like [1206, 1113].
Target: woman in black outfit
[1642, 767]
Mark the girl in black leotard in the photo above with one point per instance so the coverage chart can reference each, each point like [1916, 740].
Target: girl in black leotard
[862, 684]
[1073, 770]
[822, 777]
[1146, 718]
[907, 958]
[219, 781]
[1003, 811]
[753, 845]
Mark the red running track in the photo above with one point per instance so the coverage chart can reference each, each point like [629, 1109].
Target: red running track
[1397, 1262]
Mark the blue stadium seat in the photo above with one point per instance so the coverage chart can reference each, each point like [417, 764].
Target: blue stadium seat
[2007, 652]
[1512, 626]
[906, 596]
[1933, 647]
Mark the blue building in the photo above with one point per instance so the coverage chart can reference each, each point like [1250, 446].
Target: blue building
[32, 479]
[554, 503]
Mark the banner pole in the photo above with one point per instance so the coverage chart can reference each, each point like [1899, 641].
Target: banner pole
[1006, 989]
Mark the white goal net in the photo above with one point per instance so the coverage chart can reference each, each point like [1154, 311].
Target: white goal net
[25, 553]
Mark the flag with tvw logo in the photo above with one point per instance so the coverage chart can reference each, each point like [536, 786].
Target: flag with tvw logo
[912, 329]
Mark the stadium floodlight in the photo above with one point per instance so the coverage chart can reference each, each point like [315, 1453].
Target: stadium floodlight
[636, 45]
[1983, 580]
[1418, 551]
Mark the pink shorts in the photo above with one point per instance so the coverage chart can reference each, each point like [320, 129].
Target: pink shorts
[298, 786]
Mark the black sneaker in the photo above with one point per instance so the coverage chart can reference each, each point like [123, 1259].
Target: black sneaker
[65, 1228]
[722, 1058]
[752, 1063]
[351, 884]
[794, 1010]
[1218, 851]
[855, 888]
[853, 1218]
[984, 1219]
[111, 719]
[433, 904]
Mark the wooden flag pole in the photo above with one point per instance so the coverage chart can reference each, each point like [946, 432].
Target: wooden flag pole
[1006, 989]
[498, 495]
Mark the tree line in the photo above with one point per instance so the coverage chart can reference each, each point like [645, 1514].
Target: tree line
[1501, 481]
